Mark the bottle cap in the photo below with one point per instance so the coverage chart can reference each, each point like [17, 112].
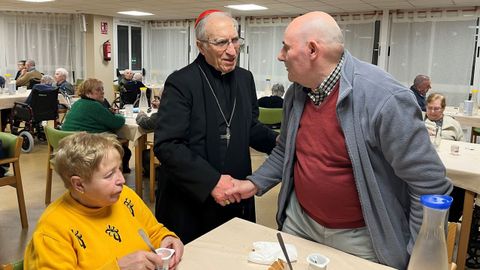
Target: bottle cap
[436, 201]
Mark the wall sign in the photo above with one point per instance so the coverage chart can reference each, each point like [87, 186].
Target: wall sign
[104, 28]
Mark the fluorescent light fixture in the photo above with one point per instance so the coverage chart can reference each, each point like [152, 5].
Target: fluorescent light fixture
[246, 7]
[135, 13]
[37, 1]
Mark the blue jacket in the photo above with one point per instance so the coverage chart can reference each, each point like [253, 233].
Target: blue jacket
[392, 157]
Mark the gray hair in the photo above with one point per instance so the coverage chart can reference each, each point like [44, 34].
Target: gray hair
[137, 76]
[419, 79]
[62, 72]
[278, 90]
[47, 79]
[30, 62]
[200, 32]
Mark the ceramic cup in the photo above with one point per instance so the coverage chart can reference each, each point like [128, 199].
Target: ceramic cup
[166, 254]
[317, 261]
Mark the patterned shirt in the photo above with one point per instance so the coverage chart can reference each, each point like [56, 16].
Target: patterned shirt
[319, 94]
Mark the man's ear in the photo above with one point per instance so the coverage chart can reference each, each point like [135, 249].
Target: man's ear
[77, 184]
[200, 47]
[313, 49]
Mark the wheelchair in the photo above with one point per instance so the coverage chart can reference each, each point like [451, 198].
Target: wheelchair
[44, 107]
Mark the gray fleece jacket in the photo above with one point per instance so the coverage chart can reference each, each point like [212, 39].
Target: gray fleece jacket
[392, 157]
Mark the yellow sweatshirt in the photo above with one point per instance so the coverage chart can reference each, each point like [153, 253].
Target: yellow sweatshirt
[72, 236]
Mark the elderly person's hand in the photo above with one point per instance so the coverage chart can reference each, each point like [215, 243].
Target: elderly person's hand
[155, 103]
[177, 245]
[140, 260]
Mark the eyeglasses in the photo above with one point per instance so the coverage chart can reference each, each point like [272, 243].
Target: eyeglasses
[224, 43]
[434, 109]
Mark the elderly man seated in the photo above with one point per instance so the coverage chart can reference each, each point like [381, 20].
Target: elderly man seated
[61, 75]
[127, 77]
[29, 74]
[132, 90]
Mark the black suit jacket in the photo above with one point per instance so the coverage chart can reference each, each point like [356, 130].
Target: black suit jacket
[187, 143]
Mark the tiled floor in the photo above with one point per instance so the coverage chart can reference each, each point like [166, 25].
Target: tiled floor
[33, 169]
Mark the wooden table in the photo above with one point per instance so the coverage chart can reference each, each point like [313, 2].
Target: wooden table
[227, 247]
[464, 171]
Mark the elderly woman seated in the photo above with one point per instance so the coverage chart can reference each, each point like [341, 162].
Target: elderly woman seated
[46, 84]
[132, 91]
[96, 223]
[449, 127]
[89, 114]
[450, 130]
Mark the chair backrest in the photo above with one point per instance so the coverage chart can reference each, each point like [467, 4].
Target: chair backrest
[11, 146]
[54, 136]
[44, 104]
[270, 116]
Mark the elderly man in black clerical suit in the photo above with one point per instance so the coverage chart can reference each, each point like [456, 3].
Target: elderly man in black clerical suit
[206, 122]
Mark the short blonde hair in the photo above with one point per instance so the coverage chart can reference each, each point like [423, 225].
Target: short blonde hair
[436, 96]
[80, 154]
[88, 86]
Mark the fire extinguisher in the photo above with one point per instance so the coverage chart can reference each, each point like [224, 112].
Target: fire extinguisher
[107, 51]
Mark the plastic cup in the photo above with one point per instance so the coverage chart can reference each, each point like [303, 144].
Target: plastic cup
[317, 261]
[166, 254]
[128, 110]
[468, 107]
[455, 149]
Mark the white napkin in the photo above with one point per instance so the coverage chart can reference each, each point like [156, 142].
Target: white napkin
[268, 252]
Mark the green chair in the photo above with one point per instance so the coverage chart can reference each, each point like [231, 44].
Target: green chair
[270, 116]
[13, 266]
[53, 138]
[475, 133]
[12, 146]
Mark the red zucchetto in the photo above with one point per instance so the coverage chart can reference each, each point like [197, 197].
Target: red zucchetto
[205, 14]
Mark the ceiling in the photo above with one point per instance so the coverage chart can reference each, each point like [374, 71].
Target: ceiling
[188, 9]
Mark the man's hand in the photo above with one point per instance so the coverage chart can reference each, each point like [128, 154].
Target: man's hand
[218, 192]
[243, 188]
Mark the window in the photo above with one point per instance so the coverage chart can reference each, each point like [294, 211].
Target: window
[129, 47]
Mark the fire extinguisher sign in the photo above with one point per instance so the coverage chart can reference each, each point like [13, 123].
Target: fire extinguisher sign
[104, 28]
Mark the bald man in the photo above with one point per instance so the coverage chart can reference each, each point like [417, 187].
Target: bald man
[353, 152]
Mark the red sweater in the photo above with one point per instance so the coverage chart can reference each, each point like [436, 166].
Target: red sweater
[323, 174]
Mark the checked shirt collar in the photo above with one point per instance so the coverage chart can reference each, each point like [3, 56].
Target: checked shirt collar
[319, 94]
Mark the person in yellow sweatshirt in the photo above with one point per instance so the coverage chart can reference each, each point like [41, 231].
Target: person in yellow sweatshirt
[95, 224]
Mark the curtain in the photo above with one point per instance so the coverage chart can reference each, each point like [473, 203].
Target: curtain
[51, 40]
[264, 41]
[167, 49]
[359, 39]
[442, 48]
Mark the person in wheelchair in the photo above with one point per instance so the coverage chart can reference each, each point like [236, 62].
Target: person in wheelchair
[40, 105]
[45, 85]
[131, 92]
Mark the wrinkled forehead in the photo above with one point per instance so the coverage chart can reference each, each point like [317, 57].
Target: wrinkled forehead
[220, 27]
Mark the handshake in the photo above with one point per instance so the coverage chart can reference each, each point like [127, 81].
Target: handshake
[229, 190]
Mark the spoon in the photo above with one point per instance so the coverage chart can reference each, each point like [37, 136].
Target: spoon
[146, 240]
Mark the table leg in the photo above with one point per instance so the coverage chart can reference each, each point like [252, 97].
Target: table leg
[139, 147]
[465, 230]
